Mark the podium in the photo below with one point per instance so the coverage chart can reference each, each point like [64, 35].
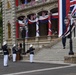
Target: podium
[18, 57]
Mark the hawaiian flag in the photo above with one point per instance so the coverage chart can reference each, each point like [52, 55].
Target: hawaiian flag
[64, 7]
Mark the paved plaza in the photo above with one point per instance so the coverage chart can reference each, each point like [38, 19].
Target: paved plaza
[47, 61]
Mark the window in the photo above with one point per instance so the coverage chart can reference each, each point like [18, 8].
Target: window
[9, 30]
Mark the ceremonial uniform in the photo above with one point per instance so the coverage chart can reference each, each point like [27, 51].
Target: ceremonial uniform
[14, 49]
[31, 51]
[6, 53]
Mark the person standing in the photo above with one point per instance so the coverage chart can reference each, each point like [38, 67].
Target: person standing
[67, 34]
[31, 51]
[14, 49]
[6, 53]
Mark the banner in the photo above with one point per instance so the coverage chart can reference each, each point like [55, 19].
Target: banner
[64, 7]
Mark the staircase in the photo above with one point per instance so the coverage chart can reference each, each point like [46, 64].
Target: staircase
[54, 53]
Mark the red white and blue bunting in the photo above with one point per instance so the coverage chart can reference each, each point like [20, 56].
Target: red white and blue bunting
[41, 19]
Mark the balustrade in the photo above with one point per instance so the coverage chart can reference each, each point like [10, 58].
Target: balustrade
[33, 3]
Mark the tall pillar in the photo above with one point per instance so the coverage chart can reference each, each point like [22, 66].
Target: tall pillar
[16, 1]
[17, 29]
[37, 27]
[49, 25]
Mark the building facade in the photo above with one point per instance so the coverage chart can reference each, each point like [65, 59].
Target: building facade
[38, 17]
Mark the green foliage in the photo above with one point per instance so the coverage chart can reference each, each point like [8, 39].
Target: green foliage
[0, 16]
[1, 28]
[1, 34]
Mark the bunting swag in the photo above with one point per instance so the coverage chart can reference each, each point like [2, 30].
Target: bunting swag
[21, 23]
[64, 7]
[39, 27]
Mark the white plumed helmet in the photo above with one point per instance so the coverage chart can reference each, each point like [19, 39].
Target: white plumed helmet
[4, 43]
[14, 45]
[31, 45]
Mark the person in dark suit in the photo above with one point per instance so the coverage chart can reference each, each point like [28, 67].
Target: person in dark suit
[14, 50]
[6, 53]
[64, 41]
[67, 34]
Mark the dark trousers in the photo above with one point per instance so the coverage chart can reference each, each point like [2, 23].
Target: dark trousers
[64, 41]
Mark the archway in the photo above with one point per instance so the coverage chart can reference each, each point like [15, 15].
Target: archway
[43, 23]
[31, 25]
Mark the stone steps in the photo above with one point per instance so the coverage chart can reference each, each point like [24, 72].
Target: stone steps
[43, 45]
[55, 53]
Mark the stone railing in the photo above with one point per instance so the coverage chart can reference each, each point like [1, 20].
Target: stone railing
[32, 4]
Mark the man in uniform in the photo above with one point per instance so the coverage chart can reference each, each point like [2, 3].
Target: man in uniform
[6, 53]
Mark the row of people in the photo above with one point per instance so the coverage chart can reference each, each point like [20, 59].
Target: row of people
[15, 50]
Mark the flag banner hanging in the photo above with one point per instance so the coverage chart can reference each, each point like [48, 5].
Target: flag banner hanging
[54, 16]
[16, 1]
[63, 10]
[44, 21]
[21, 23]
[17, 29]
[41, 19]
[64, 7]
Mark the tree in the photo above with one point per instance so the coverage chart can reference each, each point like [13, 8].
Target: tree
[1, 31]
[0, 14]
